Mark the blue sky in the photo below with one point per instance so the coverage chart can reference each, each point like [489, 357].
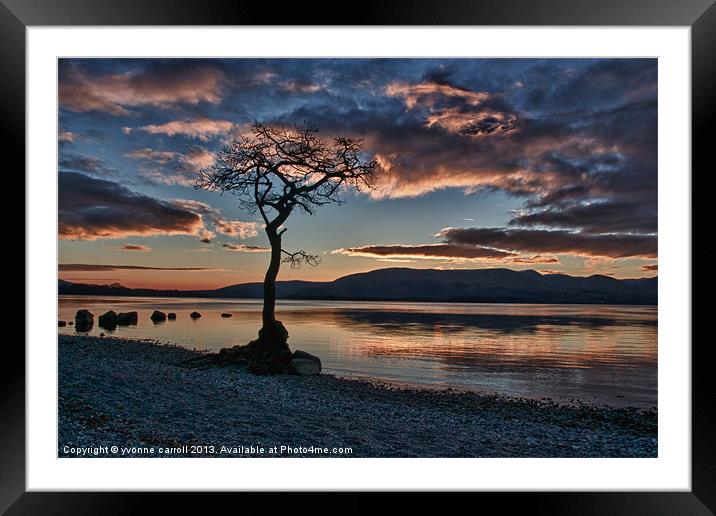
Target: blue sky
[547, 164]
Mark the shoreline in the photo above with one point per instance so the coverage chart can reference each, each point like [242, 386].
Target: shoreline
[258, 299]
[136, 393]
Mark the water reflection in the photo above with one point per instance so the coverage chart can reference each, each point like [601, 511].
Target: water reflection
[593, 353]
[410, 322]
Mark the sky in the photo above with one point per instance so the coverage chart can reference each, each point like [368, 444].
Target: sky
[544, 164]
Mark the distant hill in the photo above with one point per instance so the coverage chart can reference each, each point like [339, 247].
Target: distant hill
[403, 284]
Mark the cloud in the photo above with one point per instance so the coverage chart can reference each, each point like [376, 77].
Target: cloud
[201, 128]
[429, 94]
[228, 227]
[514, 246]
[295, 86]
[198, 157]
[206, 236]
[577, 142]
[426, 251]
[66, 136]
[538, 258]
[574, 141]
[463, 123]
[240, 248]
[148, 154]
[91, 165]
[91, 208]
[159, 84]
[135, 247]
[172, 168]
[94, 135]
[86, 267]
[554, 241]
[235, 228]
[454, 109]
[594, 217]
[195, 206]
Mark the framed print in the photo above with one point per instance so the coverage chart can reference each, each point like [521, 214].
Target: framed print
[432, 250]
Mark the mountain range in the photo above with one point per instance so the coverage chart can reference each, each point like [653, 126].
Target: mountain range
[404, 284]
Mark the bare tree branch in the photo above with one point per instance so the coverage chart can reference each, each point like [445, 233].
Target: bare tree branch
[276, 170]
[299, 258]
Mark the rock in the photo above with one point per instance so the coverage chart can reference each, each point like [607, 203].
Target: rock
[305, 363]
[158, 317]
[101, 334]
[127, 318]
[171, 316]
[108, 320]
[195, 315]
[70, 323]
[84, 320]
[305, 355]
[305, 367]
[61, 324]
[225, 315]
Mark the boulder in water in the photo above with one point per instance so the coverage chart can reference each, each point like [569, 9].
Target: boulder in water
[226, 315]
[61, 323]
[127, 318]
[171, 316]
[108, 320]
[195, 315]
[84, 320]
[158, 317]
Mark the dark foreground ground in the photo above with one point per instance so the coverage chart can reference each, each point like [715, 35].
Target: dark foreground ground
[138, 397]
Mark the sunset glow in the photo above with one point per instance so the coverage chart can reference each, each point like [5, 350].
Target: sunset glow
[537, 164]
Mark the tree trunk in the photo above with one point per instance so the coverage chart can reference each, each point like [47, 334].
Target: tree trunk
[269, 309]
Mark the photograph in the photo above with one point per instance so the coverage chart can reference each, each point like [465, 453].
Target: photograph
[417, 249]
[357, 257]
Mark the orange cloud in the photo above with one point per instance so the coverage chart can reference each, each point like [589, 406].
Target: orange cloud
[425, 251]
[538, 258]
[66, 136]
[198, 157]
[396, 181]
[240, 248]
[201, 128]
[428, 93]
[474, 124]
[160, 86]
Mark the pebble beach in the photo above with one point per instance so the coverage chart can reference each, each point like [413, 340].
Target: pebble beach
[137, 398]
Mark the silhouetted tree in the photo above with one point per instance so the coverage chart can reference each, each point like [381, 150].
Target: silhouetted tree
[275, 171]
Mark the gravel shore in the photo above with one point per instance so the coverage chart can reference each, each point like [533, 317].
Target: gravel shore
[139, 397]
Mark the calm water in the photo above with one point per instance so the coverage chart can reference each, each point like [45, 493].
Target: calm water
[594, 353]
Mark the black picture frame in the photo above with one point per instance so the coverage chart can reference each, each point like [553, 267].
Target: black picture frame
[17, 15]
